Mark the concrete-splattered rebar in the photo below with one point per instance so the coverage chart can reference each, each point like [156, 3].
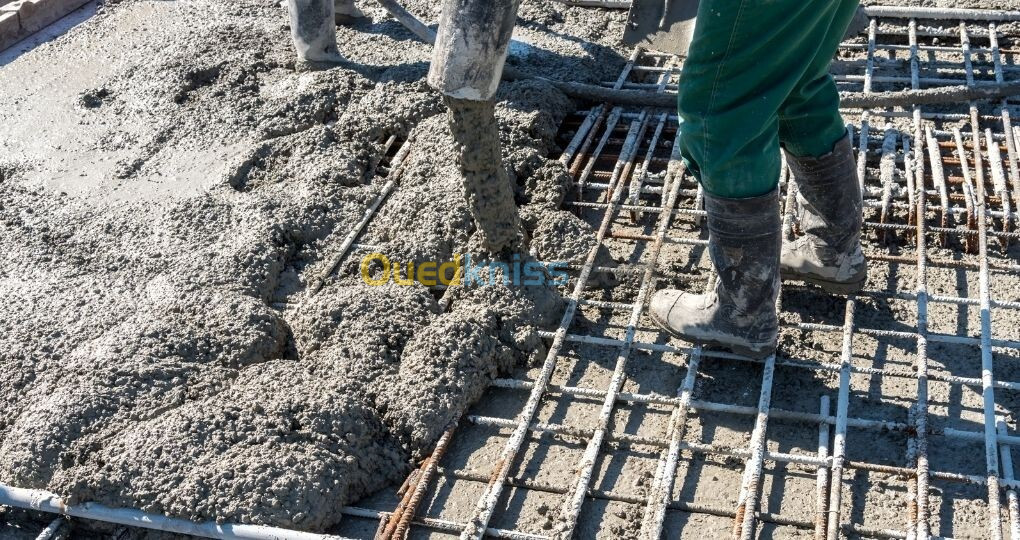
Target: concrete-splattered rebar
[572, 506]
[904, 171]
[486, 505]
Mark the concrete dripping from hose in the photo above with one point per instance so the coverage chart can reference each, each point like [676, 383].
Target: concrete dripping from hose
[487, 188]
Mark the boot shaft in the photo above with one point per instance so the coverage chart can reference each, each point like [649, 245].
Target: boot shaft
[744, 247]
[830, 202]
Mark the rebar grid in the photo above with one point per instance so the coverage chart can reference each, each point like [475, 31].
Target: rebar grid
[938, 185]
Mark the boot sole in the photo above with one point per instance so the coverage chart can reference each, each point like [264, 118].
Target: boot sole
[834, 287]
[764, 351]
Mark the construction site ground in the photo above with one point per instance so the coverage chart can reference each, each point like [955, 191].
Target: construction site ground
[172, 186]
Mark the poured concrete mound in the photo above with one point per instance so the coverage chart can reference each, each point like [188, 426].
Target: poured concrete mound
[170, 181]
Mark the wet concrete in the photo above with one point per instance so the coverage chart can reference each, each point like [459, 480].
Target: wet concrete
[486, 184]
[171, 179]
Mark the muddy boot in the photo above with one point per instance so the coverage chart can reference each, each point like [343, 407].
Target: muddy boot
[346, 12]
[740, 313]
[829, 253]
[313, 31]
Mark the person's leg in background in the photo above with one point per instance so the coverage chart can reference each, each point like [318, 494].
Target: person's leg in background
[347, 12]
[313, 29]
[746, 58]
[819, 153]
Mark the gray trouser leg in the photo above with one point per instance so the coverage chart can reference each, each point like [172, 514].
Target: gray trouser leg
[313, 30]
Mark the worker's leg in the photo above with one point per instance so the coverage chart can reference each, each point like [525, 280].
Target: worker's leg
[809, 119]
[740, 313]
[347, 12]
[746, 58]
[821, 157]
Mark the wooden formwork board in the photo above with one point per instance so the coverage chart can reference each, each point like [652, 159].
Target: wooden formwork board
[22, 18]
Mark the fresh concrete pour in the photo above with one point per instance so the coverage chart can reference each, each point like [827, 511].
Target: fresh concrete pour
[486, 185]
[467, 64]
[170, 183]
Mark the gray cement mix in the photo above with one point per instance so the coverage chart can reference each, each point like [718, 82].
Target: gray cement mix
[170, 180]
[486, 184]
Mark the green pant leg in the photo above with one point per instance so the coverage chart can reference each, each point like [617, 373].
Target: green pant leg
[746, 58]
[809, 120]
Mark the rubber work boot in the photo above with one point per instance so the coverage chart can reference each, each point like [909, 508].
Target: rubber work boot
[740, 314]
[346, 12]
[829, 253]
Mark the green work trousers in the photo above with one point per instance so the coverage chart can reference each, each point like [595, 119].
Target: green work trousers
[757, 76]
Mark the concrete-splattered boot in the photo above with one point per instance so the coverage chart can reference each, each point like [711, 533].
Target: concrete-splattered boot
[829, 253]
[346, 12]
[740, 313]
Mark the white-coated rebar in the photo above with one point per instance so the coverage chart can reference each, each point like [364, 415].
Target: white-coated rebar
[887, 169]
[441, 524]
[910, 12]
[987, 368]
[614, 118]
[33, 499]
[921, 412]
[1013, 505]
[969, 190]
[822, 474]
[665, 477]
[842, 408]
[911, 460]
[1007, 123]
[998, 177]
[908, 167]
[747, 500]
[938, 176]
[582, 131]
[862, 158]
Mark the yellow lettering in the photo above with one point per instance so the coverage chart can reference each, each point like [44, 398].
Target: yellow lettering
[367, 261]
[426, 276]
[455, 266]
[410, 274]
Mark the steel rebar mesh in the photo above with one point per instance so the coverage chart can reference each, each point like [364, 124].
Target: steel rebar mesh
[558, 449]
